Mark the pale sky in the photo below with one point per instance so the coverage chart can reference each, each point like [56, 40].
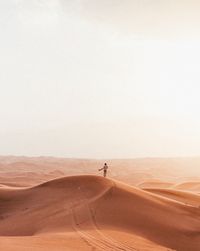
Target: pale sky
[100, 79]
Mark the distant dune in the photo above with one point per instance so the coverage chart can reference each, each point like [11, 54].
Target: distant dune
[192, 185]
[26, 171]
[186, 198]
[155, 184]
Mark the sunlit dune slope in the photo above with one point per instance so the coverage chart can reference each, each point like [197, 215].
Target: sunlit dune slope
[190, 185]
[66, 204]
[155, 184]
[187, 198]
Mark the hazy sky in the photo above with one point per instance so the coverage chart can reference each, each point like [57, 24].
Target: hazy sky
[106, 78]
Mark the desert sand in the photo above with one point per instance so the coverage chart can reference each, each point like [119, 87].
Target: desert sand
[64, 204]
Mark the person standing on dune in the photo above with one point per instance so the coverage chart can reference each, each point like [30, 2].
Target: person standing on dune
[105, 169]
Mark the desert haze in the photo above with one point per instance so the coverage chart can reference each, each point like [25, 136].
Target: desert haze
[59, 204]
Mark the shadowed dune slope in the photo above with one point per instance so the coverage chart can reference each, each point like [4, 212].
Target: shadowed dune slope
[62, 205]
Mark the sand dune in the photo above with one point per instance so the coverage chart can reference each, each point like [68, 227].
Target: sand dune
[29, 171]
[190, 185]
[184, 197]
[27, 179]
[155, 184]
[94, 210]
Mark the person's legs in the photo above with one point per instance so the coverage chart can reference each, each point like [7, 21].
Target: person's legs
[104, 173]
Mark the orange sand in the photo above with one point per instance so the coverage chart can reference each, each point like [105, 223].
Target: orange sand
[87, 212]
